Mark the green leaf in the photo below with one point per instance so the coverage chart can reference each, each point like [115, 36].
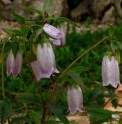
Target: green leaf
[63, 19]
[111, 30]
[48, 6]
[1, 103]
[27, 98]
[34, 117]
[17, 33]
[33, 10]
[114, 103]
[77, 69]
[60, 116]
[20, 18]
[19, 120]
[25, 30]
[15, 45]
[76, 77]
[7, 30]
[99, 115]
[5, 110]
[120, 121]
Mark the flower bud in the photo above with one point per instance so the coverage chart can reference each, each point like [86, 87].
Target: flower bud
[46, 60]
[59, 37]
[110, 71]
[75, 99]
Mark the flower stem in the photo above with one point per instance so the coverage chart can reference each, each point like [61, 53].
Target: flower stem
[83, 55]
[2, 55]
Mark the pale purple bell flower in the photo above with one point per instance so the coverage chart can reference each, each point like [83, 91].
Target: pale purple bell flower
[46, 60]
[57, 37]
[36, 70]
[10, 62]
[17, 64]
[110, 71]
[75, 99]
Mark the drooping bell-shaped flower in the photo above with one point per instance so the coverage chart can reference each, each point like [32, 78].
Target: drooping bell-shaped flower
[10, 62]
[46, 60]
[17, 64]
[75, 99]
[110, 71]
[36, 70]
[57, 37]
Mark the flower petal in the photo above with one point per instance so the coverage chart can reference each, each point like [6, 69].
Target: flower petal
[58, 42]
[52, 31]
[75, 99]
[10, 62]
[17, 65]
[46, 60]
[110, 72]
[36, 70]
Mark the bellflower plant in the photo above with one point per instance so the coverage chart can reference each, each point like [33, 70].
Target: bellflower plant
[46, 60]
[57, 37]
[74, 99]
[110, 71]
[34, 40]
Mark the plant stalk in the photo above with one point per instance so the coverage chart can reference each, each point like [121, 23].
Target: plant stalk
[3, 86]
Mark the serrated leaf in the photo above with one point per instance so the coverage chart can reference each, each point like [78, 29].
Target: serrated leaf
[60, 116]
[15, 46]
[5, 110]
[7, 30]
[33, 10]
[27, 98]
[119, 45]
[17, 33]
[48, 6]
[19, 120]
[63, 19]
[24, 30]
[77, 69]
[19, 18]
[114, 103]
[76, 77]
